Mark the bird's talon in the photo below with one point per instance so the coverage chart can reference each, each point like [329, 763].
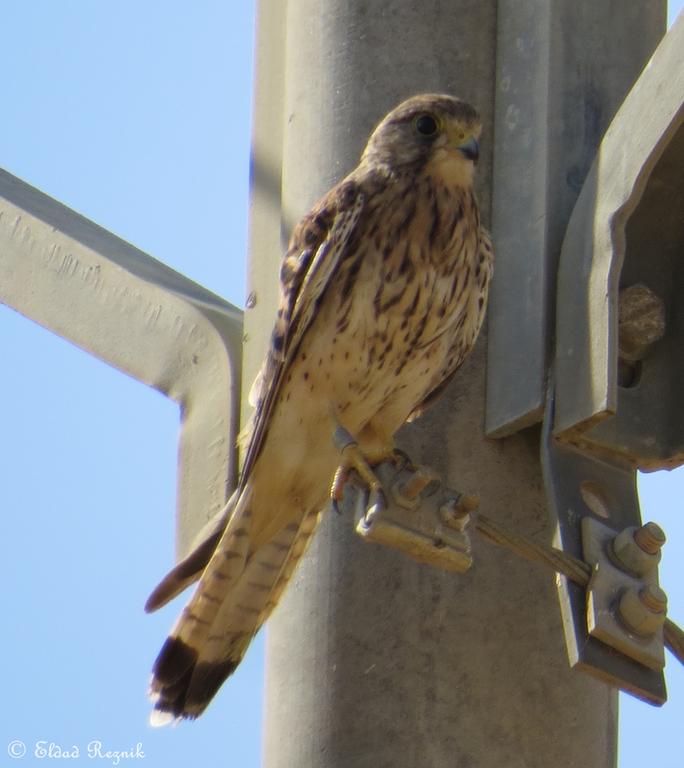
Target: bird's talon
[338, 483]
[377, 504]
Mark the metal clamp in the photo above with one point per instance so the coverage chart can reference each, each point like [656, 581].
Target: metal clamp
[422, 518]
[626, 608]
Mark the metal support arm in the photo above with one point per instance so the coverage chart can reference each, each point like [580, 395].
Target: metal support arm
[133, 312]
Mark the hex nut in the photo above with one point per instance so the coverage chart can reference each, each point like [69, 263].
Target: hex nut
[626, 553]
[637, 610]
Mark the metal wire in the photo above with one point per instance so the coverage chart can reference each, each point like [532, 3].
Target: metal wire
[571, 567]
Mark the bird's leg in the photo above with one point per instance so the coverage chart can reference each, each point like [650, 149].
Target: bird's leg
[354, 458]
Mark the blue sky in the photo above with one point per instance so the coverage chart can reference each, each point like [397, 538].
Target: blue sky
[137, 115]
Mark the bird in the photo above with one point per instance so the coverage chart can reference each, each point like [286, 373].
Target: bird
[383, 290]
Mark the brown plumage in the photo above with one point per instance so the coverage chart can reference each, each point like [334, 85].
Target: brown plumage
[383, 292]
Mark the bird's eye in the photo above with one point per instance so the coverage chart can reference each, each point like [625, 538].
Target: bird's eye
[426, 125]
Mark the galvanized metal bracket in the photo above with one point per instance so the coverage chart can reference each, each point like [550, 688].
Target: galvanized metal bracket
[553, 103]
[135, 313]
[583, 491]
[620, 316]
[614, 405]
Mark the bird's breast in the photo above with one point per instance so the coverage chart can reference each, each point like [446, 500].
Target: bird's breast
[403, 299]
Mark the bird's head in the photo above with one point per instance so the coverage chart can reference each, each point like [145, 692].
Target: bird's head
[427, 130]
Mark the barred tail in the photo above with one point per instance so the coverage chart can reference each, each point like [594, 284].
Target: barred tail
[236, 594]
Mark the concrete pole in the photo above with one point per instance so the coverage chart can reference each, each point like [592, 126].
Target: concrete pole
[373, 660]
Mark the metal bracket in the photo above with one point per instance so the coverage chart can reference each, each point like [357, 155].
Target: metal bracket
[581, 487]
[135, 313]
[618, 363]
[420, 517]
[616, 613]
[617, 371]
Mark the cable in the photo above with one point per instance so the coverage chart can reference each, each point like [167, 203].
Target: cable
[571, 567]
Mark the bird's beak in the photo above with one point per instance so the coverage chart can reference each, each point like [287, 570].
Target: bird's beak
[470, 149]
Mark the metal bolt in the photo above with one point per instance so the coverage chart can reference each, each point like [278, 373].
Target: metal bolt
[650, 538]
[641, 321]
[407, 491]
[643, 612]
[455, 512]
[637, 550]
[654, 598]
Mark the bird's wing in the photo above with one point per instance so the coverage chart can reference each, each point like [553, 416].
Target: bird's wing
[190, 568]
[484, 261]
[317, 246]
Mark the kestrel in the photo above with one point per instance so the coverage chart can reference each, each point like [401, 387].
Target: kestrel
[383, 292]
